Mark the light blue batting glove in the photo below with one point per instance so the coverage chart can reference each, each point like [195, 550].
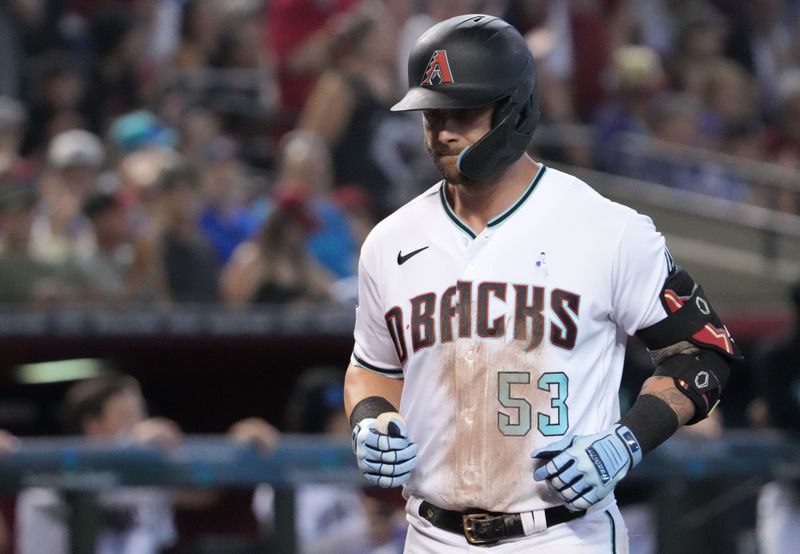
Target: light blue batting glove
[385, 459]
[584, 469]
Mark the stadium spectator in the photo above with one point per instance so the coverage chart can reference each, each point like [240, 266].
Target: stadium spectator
[778, 379]
[118, 80]
[674, 119]
[298, 33]
[186, 257]
[110, 409]
[25, 279]
[761, 39]
[637, 77]
[60, 231]
[199, 35]
[700, 38]
[56, 100]
[783, 141]
[729, 96]
[225, 219]
[199, 129]
[360, 83]
[140, 130]
[332, 517]
[276, 266]
[133, 520]
[109, 269]
[304, 162]
[12, 126]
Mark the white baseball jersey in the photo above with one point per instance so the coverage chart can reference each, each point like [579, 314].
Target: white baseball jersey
[509, 339]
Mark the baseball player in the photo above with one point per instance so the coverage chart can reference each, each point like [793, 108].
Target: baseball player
[493, 314]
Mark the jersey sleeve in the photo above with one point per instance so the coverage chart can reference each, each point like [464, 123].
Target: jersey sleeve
[374, 349]
[641, 266]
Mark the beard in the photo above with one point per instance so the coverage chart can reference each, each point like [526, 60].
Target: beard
[446, 161]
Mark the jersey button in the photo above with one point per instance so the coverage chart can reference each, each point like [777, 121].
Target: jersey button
[469, 475]
[465, 241]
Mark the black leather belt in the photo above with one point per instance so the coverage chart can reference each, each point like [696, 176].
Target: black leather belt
[489, 527]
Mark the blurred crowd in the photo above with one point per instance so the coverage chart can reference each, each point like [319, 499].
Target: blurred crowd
[195, 151]
[111, 409]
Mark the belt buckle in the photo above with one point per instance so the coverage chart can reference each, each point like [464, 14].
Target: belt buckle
[467, 519]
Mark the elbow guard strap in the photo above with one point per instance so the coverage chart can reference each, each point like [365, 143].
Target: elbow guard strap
[701, 376]
[690, 317]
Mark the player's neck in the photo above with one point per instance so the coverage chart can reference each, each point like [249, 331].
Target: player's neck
[478, 203]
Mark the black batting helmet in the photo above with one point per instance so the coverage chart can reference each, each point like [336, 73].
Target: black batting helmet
[470, 61]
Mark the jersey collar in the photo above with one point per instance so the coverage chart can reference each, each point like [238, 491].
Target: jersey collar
[497, 220]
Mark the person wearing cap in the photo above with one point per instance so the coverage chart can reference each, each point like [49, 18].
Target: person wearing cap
[60, 232]
[276, 266]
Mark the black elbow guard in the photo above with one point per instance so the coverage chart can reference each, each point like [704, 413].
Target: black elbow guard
[698, 346]
[701, 376]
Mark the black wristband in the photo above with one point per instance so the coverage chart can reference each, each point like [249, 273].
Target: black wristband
[372, 406]
[651, 421]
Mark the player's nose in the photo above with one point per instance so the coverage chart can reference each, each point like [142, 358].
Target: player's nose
[443, 126]
[447, 136]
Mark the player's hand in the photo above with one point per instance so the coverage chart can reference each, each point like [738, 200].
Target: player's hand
[385, 458]
[158, 431]
[256, 432]
[584, 469]
[8, 442]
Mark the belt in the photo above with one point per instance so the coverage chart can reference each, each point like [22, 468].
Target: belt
[489, 527]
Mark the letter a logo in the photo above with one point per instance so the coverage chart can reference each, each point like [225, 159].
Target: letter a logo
[438, 70]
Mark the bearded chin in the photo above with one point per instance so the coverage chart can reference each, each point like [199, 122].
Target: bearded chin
[449, 171]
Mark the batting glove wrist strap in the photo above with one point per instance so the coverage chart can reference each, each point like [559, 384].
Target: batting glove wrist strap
[582, 470]
[372, 406]
[651, 420]
[386, 460]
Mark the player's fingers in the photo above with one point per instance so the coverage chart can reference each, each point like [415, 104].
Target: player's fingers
[387, 482]
[583, 502]
[392, 482]
[540, 474]
[553, 467]
[574, 492]
[384, 442]
[378, 468]
[559, 464]
[392, 456]
[567, 478]
[552, 449]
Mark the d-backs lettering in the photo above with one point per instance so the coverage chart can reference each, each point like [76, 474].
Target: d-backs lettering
[451, 314]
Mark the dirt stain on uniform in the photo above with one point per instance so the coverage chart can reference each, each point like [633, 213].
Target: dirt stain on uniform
[489, 467]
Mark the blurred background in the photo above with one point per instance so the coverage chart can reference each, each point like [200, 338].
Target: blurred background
[185, 186]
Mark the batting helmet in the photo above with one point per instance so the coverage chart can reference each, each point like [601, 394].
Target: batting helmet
[471, 61]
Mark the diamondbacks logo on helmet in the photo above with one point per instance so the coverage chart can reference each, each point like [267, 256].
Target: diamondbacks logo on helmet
[438, 70]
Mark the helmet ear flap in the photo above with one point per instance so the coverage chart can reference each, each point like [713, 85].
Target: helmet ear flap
[528, 117]
[512, 127]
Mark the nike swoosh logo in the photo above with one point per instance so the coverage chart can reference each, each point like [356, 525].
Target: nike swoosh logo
[403, 259]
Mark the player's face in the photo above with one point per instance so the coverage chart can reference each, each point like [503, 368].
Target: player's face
[120, 415]
[448, 132]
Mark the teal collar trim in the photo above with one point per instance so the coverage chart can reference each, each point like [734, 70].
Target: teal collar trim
[495, 221]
